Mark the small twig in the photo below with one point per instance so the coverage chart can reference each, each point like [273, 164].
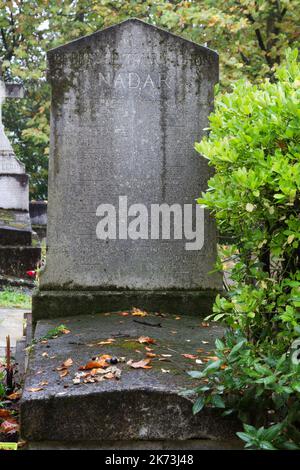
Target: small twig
[143, 322]
[8, 368]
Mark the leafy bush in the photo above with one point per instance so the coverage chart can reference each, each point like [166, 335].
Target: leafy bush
[254, 145]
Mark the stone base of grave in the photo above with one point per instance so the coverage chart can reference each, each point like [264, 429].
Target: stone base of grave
[144, 408]
[51, 304]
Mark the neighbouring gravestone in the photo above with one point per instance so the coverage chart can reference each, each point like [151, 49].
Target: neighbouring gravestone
[38, 217]
[128, 103]
[19, 250]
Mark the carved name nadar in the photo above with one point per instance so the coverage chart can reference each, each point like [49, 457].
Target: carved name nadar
[134, 80]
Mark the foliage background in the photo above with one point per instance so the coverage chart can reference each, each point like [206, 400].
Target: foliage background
[254, 147]
[250, 36]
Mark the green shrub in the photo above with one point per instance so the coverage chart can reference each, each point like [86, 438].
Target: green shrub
[254, 146]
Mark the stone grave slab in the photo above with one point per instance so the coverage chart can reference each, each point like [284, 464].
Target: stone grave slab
[143, 408]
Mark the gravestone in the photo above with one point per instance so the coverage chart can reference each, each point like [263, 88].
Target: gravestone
[128, 103]
[38, 217]
[19, 250]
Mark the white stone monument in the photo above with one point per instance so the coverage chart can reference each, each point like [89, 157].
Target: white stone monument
[17, 255]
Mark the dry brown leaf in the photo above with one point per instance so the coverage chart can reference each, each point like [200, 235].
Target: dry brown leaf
[4, 413]
[14, 396]
[178, 318]
[190, 356]
[149, 354]
[35, 389]
[136, 312]
[146, 339]
[148, 349]
[107, 341]
[213, 358]
[9, 427]
[65, 331]
[68, 362]
[101, 363]
[63, 373]
[124, 314]
[204, 324]
[166, 355]
[45, 354]
[110, 375]
[143, 364]
[42, 384]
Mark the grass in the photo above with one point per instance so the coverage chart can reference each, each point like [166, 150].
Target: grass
[14, 298]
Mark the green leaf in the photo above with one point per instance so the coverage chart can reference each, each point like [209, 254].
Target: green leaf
[198, 405]
[217, 401]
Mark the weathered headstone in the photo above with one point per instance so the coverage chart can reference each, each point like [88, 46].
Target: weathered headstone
[128, 103]
[38, 217]
[17, 253]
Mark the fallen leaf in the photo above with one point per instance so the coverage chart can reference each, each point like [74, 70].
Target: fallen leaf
[35, 389]
[178, 318]
[95, 365]
[43, 383]
[189, 356]
[9, 427]
[148, 349]
[212, 358]
[14, 396]
[63, 373]
[198, 361]
[124, 314]
[45, 354]
[165, 371]
[143, 364]
[110, 375]
[4, 413]
[166, 355]
[205, 324]
[149, 354]
[65, 331]
[68, 362]
[136, 312]
[107, 341]
[200, 350]
[205, 342]
[146, 339]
